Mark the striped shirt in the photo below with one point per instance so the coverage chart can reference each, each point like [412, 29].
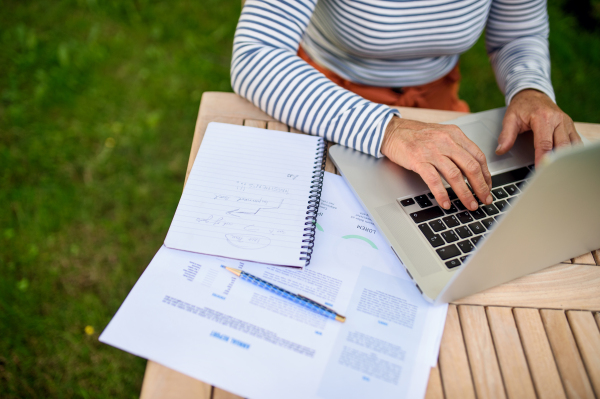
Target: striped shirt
[383, 43]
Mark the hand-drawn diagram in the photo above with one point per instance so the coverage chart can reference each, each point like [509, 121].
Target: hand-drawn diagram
[247, 241]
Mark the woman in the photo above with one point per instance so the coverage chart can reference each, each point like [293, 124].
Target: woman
[332, 68]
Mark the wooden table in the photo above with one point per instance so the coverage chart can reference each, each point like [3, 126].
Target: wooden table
[538, 336]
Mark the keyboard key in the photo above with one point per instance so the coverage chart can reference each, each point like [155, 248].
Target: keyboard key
[477, 214]
[436, 241]
[509, 177]
[460, 206]
[532, 167]
[463, 258]
[449, 236]
[427, 214]
[451, 210]
[451, 251]
[499, 193]
[451, 221]
[509, 200]
[451, 194]
[501, 205]
[420, 198]
[407, 202]
[511, 190]
[430, 195]
[464, 217]
[427, 232]
[476, 239]
[466, 246]
[519, 184]
[424, 204]
[491, 210]
[437, 225]
[453, 263]
[488, 222]
[477, 228]
[463, 231]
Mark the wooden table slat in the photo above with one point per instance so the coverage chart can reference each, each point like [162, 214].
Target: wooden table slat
[434, 385]
[274, 125]
[161, 382]
[584, 259]
[566, 354]
[453, 361]
[515, 373]
[482, 355]
[540, 359]
[255, 123]
[558, 287]
[587, 335]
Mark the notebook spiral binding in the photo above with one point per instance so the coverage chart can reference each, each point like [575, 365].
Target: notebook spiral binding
[314, 199]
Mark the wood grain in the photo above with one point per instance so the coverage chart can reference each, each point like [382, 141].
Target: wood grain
[511, 357]
[558, 287]
[434, 385]
[274, 125]
[453, 361]
[161, 382]
[218, 393]
[540, 359]
[255, 123]
[482, 355]
[587, 336]
[584, 259]
[566, 354]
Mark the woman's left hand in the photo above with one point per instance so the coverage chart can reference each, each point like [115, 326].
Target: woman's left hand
[533, 110]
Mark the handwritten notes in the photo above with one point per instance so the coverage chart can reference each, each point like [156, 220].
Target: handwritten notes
[247, 195]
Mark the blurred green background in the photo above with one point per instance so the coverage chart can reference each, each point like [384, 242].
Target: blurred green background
[98, 101]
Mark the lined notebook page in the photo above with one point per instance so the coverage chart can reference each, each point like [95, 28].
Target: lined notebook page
[247, 195]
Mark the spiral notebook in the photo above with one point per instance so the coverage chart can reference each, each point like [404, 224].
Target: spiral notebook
[252, 194]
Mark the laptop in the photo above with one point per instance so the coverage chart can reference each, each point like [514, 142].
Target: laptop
[538, 218]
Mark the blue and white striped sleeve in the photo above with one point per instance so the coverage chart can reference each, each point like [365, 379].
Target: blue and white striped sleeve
[266, 70]
[517, 42]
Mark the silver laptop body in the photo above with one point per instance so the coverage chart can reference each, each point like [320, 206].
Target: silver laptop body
[554, 216]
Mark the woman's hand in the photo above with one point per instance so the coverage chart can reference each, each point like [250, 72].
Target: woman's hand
[533, 110]
[430, 149]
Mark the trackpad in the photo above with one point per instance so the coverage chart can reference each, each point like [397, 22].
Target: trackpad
[485, 140]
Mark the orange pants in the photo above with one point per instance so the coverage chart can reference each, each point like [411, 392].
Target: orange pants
[439, 94]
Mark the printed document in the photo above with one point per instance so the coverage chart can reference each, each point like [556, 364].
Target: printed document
[189, 314]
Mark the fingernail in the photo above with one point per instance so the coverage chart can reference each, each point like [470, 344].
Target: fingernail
[499, 147]
[446, 205]
[489, 199]
[474, 205]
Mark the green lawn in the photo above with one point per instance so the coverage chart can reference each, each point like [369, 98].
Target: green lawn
[98, 101]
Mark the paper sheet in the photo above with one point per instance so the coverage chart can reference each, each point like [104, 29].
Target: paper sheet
[247, 195]
[190, 314]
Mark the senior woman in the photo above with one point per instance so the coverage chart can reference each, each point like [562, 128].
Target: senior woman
[333, 68]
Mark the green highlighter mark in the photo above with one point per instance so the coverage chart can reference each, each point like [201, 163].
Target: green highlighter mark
[362, 238]
[318, 226]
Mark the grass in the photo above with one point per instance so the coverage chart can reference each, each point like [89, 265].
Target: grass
[98, 101]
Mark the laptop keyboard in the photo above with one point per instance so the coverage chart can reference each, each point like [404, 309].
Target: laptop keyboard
[455, 232]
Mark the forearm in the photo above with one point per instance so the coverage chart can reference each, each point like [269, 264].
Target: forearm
[517, 42]
[266, 70]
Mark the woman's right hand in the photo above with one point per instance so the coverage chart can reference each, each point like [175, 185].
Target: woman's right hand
[431, 149]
